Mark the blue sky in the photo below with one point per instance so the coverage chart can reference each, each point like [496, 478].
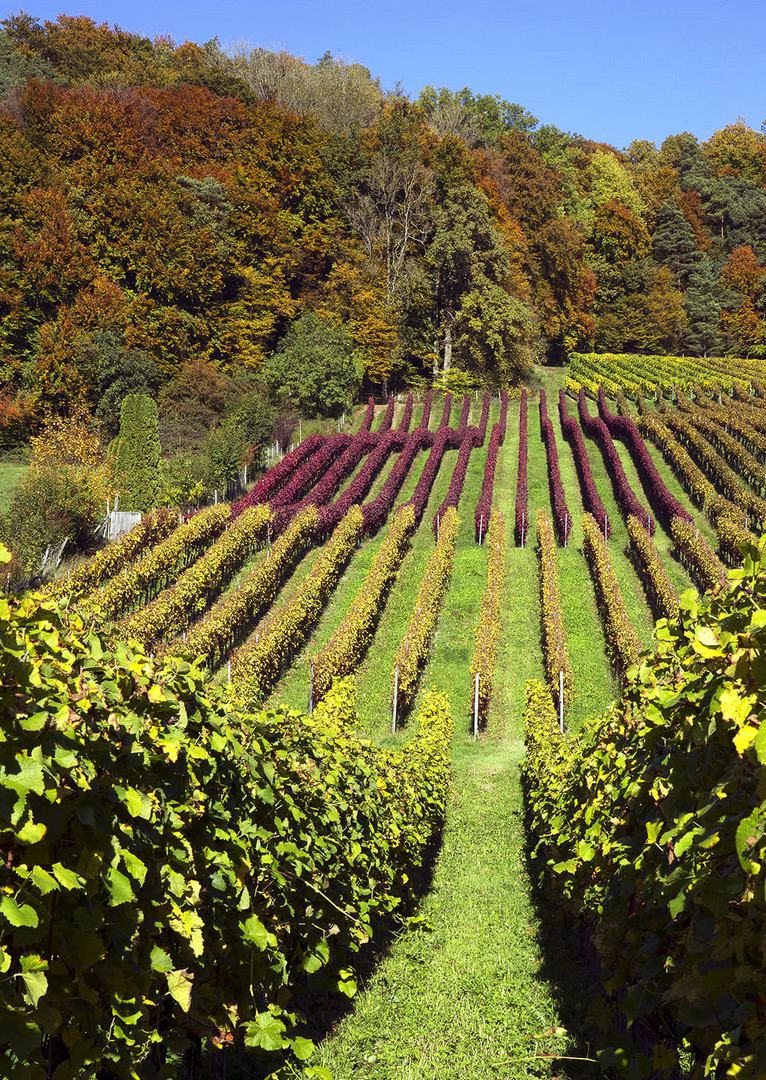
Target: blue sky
[612, 71]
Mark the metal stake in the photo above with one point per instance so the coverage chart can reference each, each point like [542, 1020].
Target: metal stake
[476, 708]
[396, 695]
[561, 702]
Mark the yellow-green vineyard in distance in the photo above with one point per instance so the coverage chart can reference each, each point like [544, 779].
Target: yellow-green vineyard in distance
[196, 880]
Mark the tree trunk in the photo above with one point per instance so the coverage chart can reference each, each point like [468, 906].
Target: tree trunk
[193, 1059]
[436, 358]
[448, 348]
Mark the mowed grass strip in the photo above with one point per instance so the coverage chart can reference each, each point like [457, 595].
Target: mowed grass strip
[469, 997]
[448, 666]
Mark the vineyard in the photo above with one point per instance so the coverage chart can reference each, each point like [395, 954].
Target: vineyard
[227, 767]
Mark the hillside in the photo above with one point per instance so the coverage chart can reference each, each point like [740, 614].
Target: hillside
[360, 555]
[191, 206]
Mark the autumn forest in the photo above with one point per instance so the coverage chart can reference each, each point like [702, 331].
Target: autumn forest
[163, 205]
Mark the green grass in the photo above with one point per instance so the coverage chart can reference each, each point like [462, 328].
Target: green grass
[10, 475]
[470, 998]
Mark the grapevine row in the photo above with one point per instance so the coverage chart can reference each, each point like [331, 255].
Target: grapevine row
[388, 415]
[258, 664]
[140, 582]
[413, 650]
[736, 454]
[151, 530]
[483, 510]
[307, 474]
[662, 596]
[404, 423]
[704, 567]
[666, 506]
[708, 457]
[278, 475]
[590, 496]
[204, 858]
[195, 589]
[555, 651]
[350, 642]
[622, 641]
[624, 494]
[488, 628]
[561, 516]
[228, 622]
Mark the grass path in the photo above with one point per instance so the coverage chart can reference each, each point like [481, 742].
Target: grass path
[469, 993]
[467, 998]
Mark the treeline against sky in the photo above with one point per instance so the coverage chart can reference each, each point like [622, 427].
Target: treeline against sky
[173, 204]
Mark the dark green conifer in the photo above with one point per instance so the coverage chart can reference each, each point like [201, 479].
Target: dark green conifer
[137, 453]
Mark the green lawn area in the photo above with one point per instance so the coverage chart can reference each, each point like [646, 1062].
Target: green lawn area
[10, 474]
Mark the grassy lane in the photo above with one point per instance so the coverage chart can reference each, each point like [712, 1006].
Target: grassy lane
[293, 688]
[450, 659]
[373, 677]
[519, 655]
[469, 997]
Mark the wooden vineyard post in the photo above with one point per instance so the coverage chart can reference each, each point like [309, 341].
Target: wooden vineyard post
[523, 522]
[476, 708]
[481, 526]
[311, 688]
[396, 695]
[437, 526]
[561, 702]
[566, 529]
[228, 671]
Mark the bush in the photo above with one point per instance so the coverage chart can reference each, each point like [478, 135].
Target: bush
[64, 492]
[314, 368]
[52, 503]
[224, 451]
[192, 404]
